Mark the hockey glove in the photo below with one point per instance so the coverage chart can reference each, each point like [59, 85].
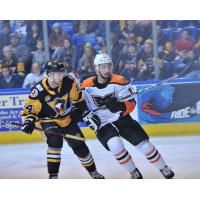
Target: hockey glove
[28, 126]
[92, 120]
[114, 105]
[75, 115]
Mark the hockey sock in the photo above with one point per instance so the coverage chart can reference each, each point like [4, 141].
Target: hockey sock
[116, 146]
[85, 157]
[53, 160]
[151, 153]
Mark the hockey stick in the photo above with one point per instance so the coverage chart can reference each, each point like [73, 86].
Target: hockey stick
[48, 132]
[157, 84]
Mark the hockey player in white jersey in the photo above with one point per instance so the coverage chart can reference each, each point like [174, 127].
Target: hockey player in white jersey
[106, 89]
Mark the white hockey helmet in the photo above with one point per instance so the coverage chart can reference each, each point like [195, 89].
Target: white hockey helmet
[102, 59]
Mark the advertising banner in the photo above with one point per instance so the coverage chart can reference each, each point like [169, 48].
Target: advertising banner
[171, 103]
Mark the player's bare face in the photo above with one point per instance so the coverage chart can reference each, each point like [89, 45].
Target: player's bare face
[105, 71]
[56, 78]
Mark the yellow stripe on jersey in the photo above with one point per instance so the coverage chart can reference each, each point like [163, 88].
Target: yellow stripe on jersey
[75, 93]
[44, 84]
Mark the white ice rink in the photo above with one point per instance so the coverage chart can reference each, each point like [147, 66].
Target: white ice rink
[29, 160]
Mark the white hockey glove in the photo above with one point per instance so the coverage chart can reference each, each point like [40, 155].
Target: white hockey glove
[92, 120]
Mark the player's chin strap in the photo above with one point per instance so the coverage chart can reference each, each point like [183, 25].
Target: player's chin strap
[54, 82]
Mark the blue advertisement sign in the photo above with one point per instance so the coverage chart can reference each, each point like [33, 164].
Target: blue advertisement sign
[171, 103]
[11, 104]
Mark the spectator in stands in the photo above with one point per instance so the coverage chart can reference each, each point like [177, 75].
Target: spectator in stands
[194, 70]
[8, 79]
[129, 70]
[144, 61]
[145, 55]
[4, 36]
[82, 32]
[130, 54]
[130, 30]
[21, 29]
[92, 25]
[35, 76]
[116, 49]
[144, 30]
[185, 46]
[57, 37]
[39, 54]
[161, 38]
[10, 61]
[168, 53]
[33, 36]
[29, 25]
[86, 67]
[101, 33]
[21, 51]
[67, 51]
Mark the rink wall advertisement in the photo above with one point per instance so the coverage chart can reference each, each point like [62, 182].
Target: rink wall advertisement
[11, 104]
[172, 109]
[174, 103]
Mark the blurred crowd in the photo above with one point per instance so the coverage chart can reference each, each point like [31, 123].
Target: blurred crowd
[75, 43]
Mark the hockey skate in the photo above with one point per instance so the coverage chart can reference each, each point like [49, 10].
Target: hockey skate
[53, 176]
[136, 174]
[96, 175]
[167, 172]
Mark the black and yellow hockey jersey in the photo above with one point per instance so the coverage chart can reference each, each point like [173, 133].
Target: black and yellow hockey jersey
[45, 104]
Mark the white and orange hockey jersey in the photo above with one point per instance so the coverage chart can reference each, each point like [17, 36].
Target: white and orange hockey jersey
[95, 95]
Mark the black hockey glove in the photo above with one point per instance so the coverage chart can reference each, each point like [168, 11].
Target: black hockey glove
[92, 120]
[76, 115]
[114, 105]
[28, 126]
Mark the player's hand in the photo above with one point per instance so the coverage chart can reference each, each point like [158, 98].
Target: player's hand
[92, 120]
[28, 126]
[114, 105]
[75, 115]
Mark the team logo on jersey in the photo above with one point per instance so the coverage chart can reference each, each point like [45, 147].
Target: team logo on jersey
[59, 104]
[100, 100]
[88, 90]
[34, 93]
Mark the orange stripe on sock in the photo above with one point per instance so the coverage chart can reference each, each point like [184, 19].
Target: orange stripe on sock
[124, 162]
[151, 152]
[154, 161]
[120, 152]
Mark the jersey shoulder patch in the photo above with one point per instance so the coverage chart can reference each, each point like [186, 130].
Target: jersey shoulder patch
[87, 83]
[34, 93]
[39, 87]
[119, 80]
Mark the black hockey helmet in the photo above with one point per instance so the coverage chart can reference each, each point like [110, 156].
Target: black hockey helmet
[54, 66]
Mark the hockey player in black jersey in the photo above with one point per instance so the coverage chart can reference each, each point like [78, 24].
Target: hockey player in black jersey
[50, 103]
[106, 89]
